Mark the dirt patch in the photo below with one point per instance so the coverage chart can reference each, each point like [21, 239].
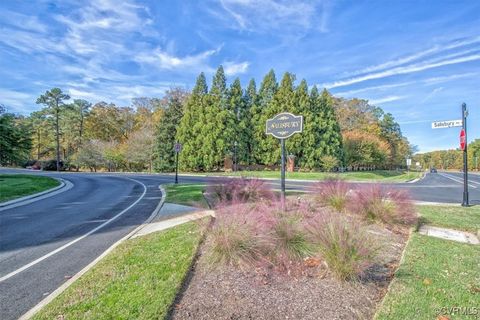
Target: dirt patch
[311, 293]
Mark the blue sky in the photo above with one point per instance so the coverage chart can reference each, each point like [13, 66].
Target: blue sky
[418, 60]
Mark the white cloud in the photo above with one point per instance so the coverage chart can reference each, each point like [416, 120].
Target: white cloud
[432, 94]
[16, 101]
[165, 60]
[385, 100]
[435, 49]
[402, 70]
[264, 15]
[232, 68]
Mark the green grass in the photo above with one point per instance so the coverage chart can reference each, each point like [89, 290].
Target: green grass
[138, 280]
[187, 194]
[14, 186]
[378, 175]
[452, 217]
[435, 274]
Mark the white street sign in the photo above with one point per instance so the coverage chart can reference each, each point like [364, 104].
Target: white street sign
[409, 162]
[446, 124]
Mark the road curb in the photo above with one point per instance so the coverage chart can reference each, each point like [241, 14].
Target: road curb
[30, 313]
[64, 186]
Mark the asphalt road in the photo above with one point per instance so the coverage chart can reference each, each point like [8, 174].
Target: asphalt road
[44, 243]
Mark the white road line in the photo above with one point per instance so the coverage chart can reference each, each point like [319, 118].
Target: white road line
[48, 255]
[453, 178]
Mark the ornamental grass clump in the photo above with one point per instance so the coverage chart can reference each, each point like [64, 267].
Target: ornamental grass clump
[235, 238]
[343, 244]
[377, 203]
[239, 190]
[333, 193]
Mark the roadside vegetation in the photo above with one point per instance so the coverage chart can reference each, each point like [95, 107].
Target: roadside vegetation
[437, 275]
[186, 194]
[138, 280]
[371, 176]
[14, 186]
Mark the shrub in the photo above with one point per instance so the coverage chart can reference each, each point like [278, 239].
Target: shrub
[387, 205]
[343, 244]
[333, 193]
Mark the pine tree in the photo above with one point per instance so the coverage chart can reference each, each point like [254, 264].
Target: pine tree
[190, 128]
[260, 114]
[167, 129]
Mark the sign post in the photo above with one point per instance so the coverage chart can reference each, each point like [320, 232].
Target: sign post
[178, 148]
[464, 146]
[283, 126]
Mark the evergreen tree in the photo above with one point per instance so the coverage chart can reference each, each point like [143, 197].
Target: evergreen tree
[283, 101]
[260, 114]
[167, 129]
[214, 130]
[331, 134]
[300, 145]
[189, 132]
[240, 122]
[249, 103]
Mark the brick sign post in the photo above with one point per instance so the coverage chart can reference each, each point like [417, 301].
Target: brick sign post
[283, 126]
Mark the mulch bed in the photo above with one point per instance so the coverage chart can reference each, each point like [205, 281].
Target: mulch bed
[310, 293]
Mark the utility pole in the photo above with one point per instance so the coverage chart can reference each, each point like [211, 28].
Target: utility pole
[465, 156]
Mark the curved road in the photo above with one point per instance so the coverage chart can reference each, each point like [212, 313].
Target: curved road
[44, 243]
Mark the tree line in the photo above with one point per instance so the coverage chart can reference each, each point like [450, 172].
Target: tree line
[212, 124]
[451, 159]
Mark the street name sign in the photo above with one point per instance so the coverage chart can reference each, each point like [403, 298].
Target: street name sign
[284, 125]
[446, 124]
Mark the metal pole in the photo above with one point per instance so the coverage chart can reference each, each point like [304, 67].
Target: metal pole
[235, 157]
[176, 167]
[465, 158]
[283, 174]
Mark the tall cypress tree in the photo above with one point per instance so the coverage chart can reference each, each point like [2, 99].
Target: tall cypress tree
[260, 114]
[214, 131]
[250, 101]
[283, 101]
[167, 129]
[301, 144]
[331, 133]
[190, 128]
[238, 119]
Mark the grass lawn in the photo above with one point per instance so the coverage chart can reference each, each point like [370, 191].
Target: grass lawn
[437, 274]
[452, 217]
[14, 186]
[138, 280]
[187, 194]
[379, 175]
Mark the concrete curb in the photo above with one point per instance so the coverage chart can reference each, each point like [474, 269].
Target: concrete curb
[439, 204]
[417, 179]
[30, 313]
[64, 186]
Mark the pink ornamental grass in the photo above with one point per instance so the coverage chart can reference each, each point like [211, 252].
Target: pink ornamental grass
[379, 203]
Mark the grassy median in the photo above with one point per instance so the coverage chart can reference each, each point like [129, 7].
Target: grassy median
[437, 276]
[373, 176]
[186, 194]
[138, 280]
[14, 186]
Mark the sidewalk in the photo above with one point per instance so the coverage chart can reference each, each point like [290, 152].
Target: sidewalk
[172, 215]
